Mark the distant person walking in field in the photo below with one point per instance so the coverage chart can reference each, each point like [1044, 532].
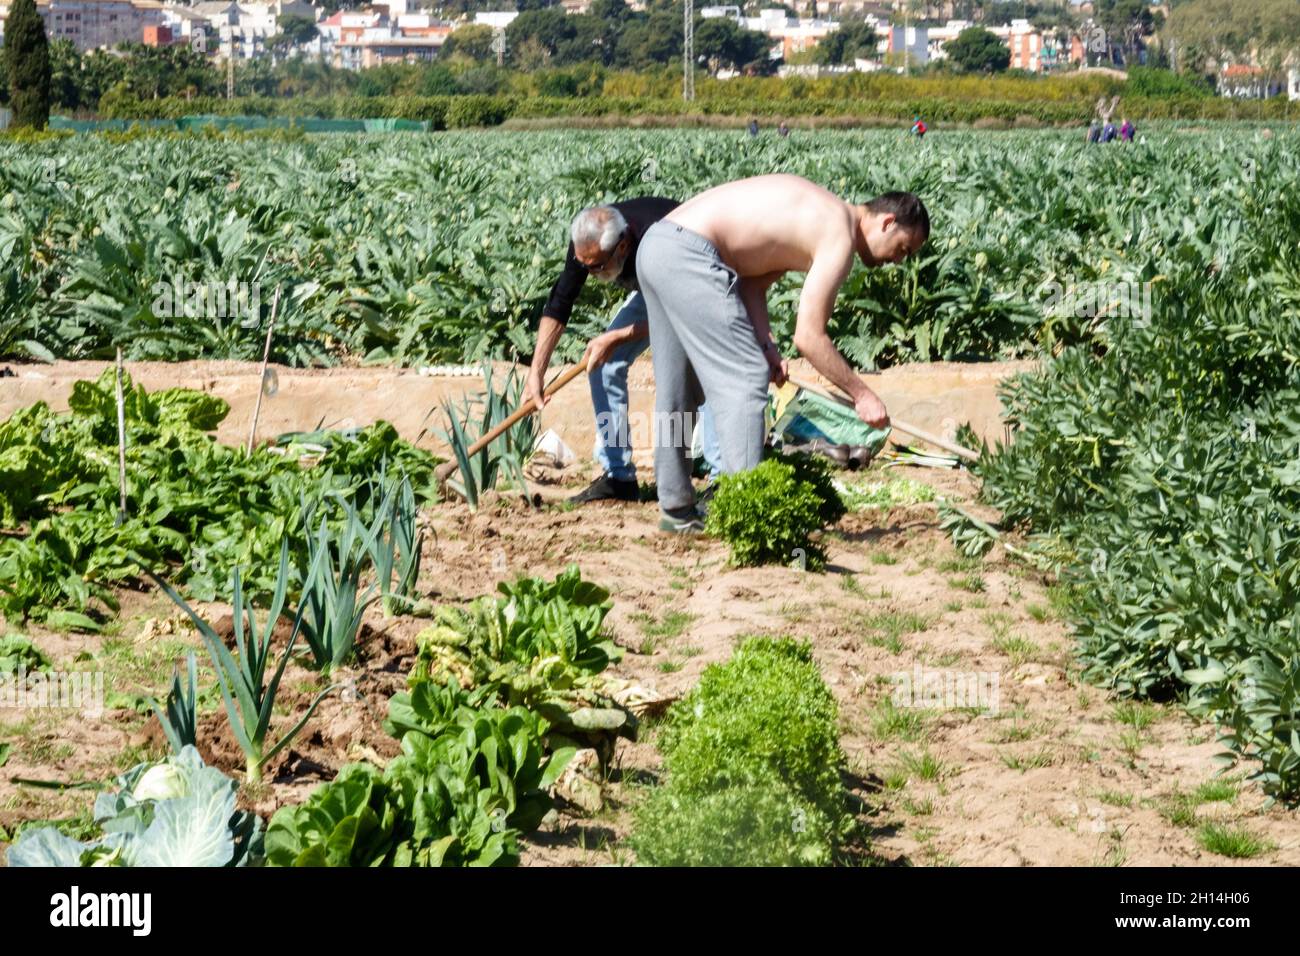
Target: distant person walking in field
[919, 129]
[705, 269]
[1109, 133]
[603, 243]
[753, 127]
[1127, 130]
[1094, 131]
[783, 130]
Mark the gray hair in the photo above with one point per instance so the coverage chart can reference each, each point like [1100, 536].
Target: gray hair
[603, 225]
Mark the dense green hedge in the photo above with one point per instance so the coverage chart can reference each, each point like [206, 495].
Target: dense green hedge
[482, 110]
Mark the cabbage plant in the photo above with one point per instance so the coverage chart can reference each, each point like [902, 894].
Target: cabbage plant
[177, 812]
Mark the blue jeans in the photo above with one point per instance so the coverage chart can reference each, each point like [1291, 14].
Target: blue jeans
[609, 399]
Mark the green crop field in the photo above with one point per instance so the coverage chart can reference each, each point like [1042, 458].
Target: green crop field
[405, 249]
[1150, 491]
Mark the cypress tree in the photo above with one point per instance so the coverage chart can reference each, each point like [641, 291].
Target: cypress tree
[27, 59]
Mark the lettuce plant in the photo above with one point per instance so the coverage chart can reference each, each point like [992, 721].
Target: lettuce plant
[753, 765]
[767, 514]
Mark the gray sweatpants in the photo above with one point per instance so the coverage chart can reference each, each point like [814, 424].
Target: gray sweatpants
[703, 345]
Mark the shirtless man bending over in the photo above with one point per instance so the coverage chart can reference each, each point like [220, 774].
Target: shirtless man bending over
[705, 269]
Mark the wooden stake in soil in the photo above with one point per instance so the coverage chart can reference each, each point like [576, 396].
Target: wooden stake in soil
[121, 443]
[261, 379]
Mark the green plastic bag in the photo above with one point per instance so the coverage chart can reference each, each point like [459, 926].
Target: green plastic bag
[807, 416]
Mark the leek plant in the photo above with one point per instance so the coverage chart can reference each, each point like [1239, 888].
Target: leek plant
[248, 694]
[475, 416]
[394, 541]
[180, 719]
[332, 601]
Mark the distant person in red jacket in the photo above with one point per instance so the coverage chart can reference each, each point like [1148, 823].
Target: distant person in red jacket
[1126, 131]
[919, 129]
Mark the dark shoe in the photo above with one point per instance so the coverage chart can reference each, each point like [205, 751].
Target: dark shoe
[859, 456]
[705, 495]
[692, 522]
[606, 488]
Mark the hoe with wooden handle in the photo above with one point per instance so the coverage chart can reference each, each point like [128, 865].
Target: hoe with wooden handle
[444, 470]
[907, 429]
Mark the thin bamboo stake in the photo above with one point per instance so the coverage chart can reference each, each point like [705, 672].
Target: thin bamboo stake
[121, 443]
[261, 379]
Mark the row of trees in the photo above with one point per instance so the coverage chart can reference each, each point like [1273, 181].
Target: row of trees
[612, 35]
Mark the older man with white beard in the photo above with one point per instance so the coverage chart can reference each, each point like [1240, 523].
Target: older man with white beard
[603, 244]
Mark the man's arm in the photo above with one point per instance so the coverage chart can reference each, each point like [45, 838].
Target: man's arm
[548, 334]
[753, 293]
[828, 271]
[598, 349]
[555, 315]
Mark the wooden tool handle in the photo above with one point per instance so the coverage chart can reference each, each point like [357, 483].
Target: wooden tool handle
[959, 450]
[524, 410]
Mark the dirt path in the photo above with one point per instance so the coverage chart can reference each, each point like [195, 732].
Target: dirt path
[1028, 768]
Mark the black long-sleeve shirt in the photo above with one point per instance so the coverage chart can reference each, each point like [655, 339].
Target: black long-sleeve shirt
[641, 213]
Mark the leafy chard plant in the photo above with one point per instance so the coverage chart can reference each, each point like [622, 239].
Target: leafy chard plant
[246, 688]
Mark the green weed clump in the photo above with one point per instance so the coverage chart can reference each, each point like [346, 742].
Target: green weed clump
[768, 514]
[753, 767]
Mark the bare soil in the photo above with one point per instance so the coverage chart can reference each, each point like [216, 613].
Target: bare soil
[1050, 772]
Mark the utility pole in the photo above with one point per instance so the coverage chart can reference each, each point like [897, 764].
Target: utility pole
[230, 62]
[688, 50]
[499, 46]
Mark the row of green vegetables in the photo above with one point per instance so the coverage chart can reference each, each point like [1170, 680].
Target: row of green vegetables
[752, 755]
[478, 753]
[193, 504]
[444, 248]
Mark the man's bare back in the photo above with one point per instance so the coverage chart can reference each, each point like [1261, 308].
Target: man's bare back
[765, 226]
[771, 224]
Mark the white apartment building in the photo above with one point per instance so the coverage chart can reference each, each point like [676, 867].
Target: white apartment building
[91, 24]
[228, 26]
[790, 34]
[497, 20]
